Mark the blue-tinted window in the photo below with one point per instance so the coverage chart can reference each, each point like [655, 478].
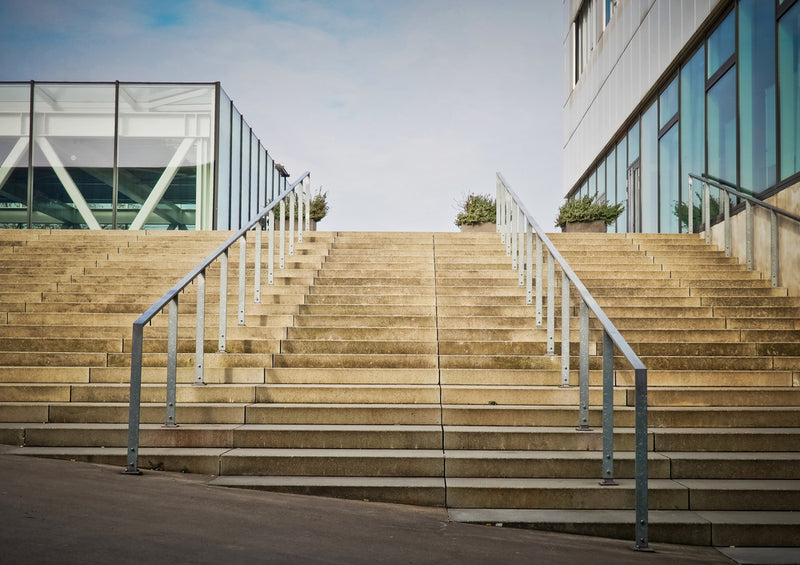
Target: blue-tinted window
[721, 103]
[236, 169]
[721, 44]
[15, 101]
[224, 167]
[633, 143]
[649, 170]
[789, 90]
[601, 180]
[757, 110]
[693, 130]
[668, 104]
[668, 181]
[611, 177]
[593, 184]
[622, 177]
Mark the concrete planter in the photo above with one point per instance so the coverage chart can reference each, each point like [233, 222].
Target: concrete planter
[479, 228]
[597, 226]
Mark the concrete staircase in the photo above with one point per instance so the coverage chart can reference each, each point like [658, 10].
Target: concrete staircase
[406, 367]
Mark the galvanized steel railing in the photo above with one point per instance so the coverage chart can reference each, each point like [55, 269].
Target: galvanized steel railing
[298, 195]
[749, 201]
[518, 229]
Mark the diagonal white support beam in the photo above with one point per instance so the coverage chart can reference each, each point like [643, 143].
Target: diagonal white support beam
[72, 189]
[163, 183]
[9, 163]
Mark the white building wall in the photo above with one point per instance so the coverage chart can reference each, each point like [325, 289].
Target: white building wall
[632, 53]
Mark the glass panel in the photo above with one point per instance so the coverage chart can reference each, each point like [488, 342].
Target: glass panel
[668, 104]
[224, 167]
[270, 179]
[757, 95]
[722, 131]
[14, 135]
[668, 180]
[789, 85]
[262, 177]
[693, 131]
[611, 177]
[253, 176]
[245, 175]
[622, 181]
[593, 183]
[721, 44]
[236, 169]
[649, 170]
[633, 143]
[73, 156]
[601, 179]
[165, 156]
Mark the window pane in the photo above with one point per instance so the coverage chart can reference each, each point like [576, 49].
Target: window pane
[649, 161]
[722, 130]
[611, 177]
[757, 95]
[245, 175]
[693, 129]
[224, 167]
[789, 72]
[668, 104]
[593, 183]
[668, 180]
[601, 180]
[14, 124]
[721, 44]
[253, 177]
[622, 169]
[633, 144]
[236, 169]
[73, 156]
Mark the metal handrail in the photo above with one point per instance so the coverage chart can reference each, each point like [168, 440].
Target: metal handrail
[517, 228]
[170, 300]
[749, 231]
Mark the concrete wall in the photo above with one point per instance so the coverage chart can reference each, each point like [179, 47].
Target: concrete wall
[788, 239]
[640, 42]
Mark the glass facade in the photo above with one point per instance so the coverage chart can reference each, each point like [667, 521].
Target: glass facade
[732, 112]
[128, 156]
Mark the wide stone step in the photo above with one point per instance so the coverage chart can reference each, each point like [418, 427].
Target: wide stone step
[702, 396]
[701, 440]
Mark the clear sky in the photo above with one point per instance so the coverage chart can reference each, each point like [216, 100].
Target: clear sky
[398, 108]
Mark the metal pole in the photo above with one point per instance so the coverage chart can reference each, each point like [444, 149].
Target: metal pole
[132, 467]
[242, 277]
[726, 206]
[301, 201]
[564, 329]
[529, 266]
[749, 234]
[223, 299]
[707, 211]
[690, 209]
[271, 249]
[773, 247]
[523, 269]
[200, 334]
[257, 274]
[172, 362]
[583, 371]
[307, 183]
[551, 303]
[641, 459]
[292, 212]
[513, 233]
[507, 223]
[282, 205]
[608, 410]
[539, 285]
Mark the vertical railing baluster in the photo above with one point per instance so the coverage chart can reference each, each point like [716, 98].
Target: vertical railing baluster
[292, 212]
[301, 214]
[523, 232]
[539, 281]
[642, 522]
[707, 211]
[271, 250]
[690, 209]
[134, 402]
[565, 308]
[773, 247]
[223, 299]
[200, 333]
[242, 277]
[608, 410]
[257, 267]
[583, 369]
[172, 362]
[748, 220]
[726, 210]
[551, 303]
[513, 234]
[529, 263]
[307, 188]
[282, 244]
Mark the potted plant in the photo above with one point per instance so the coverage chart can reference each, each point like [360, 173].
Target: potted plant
[586, 215]
[318, 208]
[477, 213]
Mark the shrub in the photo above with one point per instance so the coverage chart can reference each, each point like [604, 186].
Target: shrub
[476, 209]
[586, 209]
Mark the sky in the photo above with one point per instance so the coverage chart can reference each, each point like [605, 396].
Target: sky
[398, 109]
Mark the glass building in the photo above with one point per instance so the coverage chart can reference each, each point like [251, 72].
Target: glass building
[129, 156]
[663, 88]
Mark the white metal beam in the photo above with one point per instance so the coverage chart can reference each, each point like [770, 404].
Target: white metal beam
[163, 183]
[9, 162]
[72, 189]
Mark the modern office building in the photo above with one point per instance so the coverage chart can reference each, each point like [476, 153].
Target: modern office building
[129, 156]
[658, 89]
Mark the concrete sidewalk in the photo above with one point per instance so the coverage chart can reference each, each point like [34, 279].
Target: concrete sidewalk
[67, 512]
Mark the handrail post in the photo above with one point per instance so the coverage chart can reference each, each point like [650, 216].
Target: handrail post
[301, 214]
[690, 209]
[172, 362]
[257, 273]
[773, 247]
[749, 234]
[307, 185]
[522, 226]
[242, 277]
[529, 263]
[583, 370]
[511, 241]
[608, 410]
[282, 245]
[134, 403]
[641, 459]
[271, 250]
[498, 206]
[551, 303]
[223, 299]
[539, 260]
[199, 349]
[726, 210]
[707, 211]
[292, 212]
[565, 308]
